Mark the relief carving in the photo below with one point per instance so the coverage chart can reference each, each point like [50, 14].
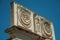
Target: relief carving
[37, 23]
[24, 18]
[46, 30]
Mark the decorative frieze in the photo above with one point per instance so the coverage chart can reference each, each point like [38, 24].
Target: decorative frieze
[26, 19]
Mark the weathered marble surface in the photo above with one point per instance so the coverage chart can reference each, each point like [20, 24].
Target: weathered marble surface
[25, 18]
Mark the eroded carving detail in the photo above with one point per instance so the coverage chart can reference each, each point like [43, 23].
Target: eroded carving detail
[24, 18]
[37, 23]
[46, 30]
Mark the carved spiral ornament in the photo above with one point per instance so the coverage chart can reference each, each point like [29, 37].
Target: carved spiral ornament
[46, 30]
[24, 18]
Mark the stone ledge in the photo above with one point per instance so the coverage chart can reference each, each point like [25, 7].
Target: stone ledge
[15, 29]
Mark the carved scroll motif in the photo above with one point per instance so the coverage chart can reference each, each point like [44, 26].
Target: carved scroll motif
[46, 30]
[24, 18]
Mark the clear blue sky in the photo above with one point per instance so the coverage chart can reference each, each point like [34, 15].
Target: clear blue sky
[50, 9]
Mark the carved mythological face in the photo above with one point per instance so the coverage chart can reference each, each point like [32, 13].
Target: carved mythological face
[24, 18]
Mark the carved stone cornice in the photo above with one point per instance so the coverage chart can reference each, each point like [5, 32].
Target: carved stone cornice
[15, 29]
